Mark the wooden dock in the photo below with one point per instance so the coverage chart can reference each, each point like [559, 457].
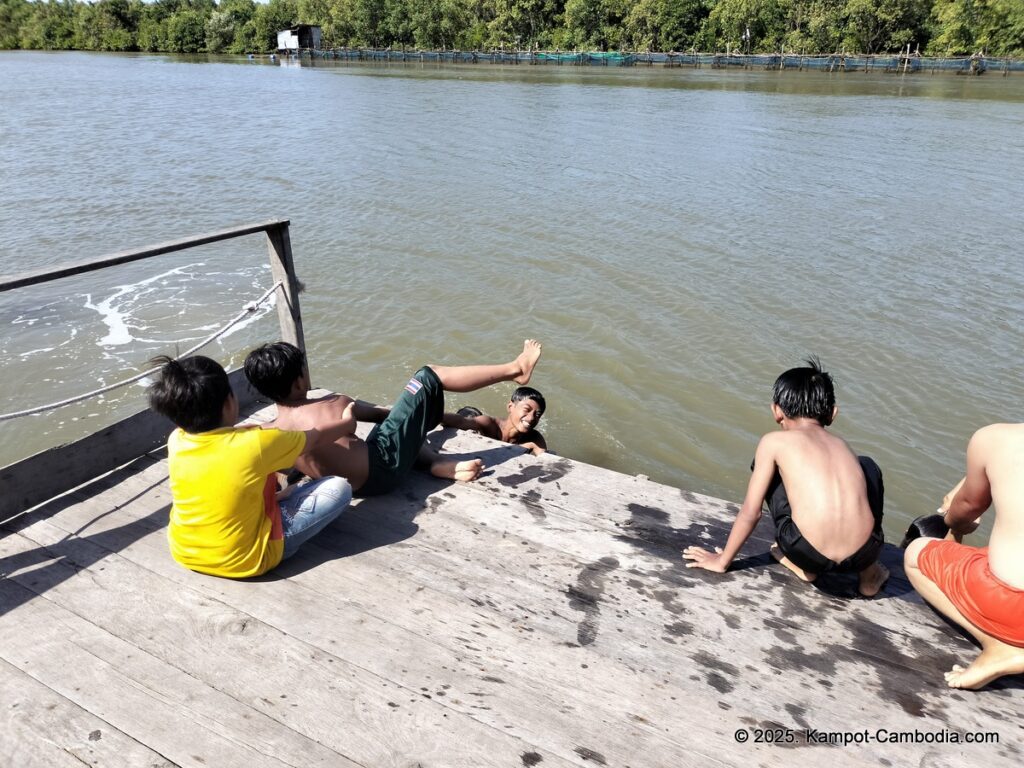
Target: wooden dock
[540, 616]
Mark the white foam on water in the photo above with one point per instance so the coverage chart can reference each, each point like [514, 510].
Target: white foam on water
[115, 316]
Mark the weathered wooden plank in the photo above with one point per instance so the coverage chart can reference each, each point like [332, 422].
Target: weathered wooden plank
[642, 606]
[137, 694]
[445, 585]
[10, 282]
[41, 729]
[309, 690]
[562, 719]
[666, 671]
[52, 472]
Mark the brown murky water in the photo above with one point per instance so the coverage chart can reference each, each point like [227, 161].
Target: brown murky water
[676, 238]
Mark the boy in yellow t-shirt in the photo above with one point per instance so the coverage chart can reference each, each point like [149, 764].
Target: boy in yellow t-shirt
[227, 518]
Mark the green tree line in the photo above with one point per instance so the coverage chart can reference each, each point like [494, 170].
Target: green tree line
[938, 27]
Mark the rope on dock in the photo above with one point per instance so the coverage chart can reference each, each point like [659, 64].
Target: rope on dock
[248, 310]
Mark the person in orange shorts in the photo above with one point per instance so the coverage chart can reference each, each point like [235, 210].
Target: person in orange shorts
[981, 588]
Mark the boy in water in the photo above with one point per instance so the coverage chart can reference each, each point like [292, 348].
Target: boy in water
[227, 518]
[525, 409]
[378, 464]
[981, 589]
[825, 502]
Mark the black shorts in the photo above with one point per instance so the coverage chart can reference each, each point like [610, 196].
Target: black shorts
[801, 553]
[394, 444]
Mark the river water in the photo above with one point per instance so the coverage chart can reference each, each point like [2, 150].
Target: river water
[676, 238]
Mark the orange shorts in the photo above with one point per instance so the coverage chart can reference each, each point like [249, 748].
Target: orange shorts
[963, 575]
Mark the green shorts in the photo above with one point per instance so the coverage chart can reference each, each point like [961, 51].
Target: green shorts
[394, 444]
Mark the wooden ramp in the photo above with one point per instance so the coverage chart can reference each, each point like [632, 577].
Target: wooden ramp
[538, 617]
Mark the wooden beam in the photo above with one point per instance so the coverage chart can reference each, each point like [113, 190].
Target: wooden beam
[8, 283]
[282, 267]
[41, 477]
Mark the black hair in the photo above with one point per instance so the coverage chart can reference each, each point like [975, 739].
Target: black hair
[273, 368]
[190, 392]
[529, 393]
[806, 393]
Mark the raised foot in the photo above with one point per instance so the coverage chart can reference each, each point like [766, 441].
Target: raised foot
[872, 579]
[800, 572]
[992, 663]
[527, 360]
[461, 471]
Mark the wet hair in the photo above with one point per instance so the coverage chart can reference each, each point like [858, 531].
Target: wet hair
[273, 368]
[190, 392]
[806, 393]
[529, 393]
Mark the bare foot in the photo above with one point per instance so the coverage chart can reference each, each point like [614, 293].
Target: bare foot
[527, 360]
[995, 661]
[872, 579]
[800, 572]
[462, 471]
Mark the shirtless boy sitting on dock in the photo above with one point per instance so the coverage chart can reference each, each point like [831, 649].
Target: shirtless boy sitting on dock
[378, 464]
[981, 589]
[825, 502]
[525, 408]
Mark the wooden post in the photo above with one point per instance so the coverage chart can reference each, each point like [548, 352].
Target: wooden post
[282, 268]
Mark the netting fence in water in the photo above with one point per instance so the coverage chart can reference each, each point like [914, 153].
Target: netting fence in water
[901, 63]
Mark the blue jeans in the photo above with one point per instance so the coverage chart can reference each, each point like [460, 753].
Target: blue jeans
[310, 509]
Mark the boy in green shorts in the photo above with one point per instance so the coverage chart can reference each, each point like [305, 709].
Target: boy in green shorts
[378, 464]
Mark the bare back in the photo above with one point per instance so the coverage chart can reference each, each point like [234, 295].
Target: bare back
[346, 456]
[1000, 449]
[826, 489]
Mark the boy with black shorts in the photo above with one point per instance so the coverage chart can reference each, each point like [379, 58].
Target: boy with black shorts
[378, 464]
[826, 502]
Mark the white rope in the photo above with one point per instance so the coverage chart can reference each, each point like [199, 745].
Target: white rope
[249, 309]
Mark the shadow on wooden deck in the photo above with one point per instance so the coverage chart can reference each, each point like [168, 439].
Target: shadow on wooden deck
[539, 616]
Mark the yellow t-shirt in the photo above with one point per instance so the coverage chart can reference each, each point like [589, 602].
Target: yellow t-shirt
[225, 519]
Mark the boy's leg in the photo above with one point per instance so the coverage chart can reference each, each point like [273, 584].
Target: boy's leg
[786, 533]
[310, 509]
[395, 444]
[463, 471]
[801, 574]
[875, 487]
[466, 378]
[872, 579]
[996, 658]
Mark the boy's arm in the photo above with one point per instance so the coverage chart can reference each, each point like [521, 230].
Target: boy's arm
[328, 431]
[747, 519]
[948, 498]
[536, 444]
[365, 411]
[975, 493]
[538, 440]
[484, 424]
